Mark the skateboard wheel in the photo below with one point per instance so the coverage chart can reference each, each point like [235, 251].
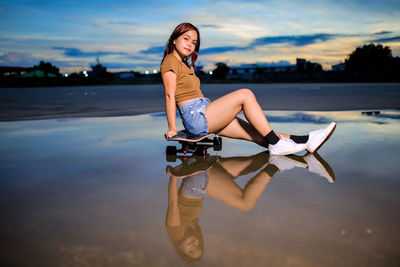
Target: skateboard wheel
[171, 158]
[217, 143]
[171, 150]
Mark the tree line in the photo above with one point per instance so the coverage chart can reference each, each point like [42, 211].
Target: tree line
[368, 58]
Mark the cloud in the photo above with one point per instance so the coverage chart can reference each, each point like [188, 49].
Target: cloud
[382, 33]
[18, 59]
[213, 26]
[75, 52]
[119, 65]
[222, 49]
[146, 58]
[272, 64]
[122, 22]
[386, 40]
[153, 50]
[296, 40]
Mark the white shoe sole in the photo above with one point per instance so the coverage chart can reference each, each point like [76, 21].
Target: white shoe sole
[323, 142]
[325, 170]
[289, 152]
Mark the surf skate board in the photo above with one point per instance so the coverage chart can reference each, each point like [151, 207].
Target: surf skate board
[194, 144]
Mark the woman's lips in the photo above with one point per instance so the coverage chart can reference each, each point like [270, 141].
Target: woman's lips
[187, 49]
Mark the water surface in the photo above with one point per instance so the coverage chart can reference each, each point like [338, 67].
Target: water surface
[94, 191]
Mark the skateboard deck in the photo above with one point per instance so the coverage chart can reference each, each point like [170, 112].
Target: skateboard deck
[187, 137]
[195, 144]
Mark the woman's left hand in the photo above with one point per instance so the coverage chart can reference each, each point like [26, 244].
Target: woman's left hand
[170, 134]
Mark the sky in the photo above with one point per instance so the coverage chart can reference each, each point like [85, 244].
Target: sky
[131, 35]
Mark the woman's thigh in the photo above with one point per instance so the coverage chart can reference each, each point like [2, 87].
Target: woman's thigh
[221, 112]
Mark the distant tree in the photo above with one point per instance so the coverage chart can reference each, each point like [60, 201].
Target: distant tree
[370, 58]
[74, 75]
[47, 67]
[396, 65]
[220, 71]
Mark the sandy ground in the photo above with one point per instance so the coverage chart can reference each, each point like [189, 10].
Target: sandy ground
[93, 101]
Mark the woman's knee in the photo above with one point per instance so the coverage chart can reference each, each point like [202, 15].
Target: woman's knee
[246, 93]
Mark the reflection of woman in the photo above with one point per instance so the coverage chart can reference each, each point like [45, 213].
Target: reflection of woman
[184, 204]
[182, 223]
[215, 176]
[207, 177]
[200, 116]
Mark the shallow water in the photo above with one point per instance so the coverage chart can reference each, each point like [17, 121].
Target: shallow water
[94, 191]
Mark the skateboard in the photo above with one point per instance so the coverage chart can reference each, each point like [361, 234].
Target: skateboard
[194, 144]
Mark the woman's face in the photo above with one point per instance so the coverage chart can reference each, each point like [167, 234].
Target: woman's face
[191, 247]
[186, 43]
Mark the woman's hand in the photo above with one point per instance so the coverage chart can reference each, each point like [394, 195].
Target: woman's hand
[170, 134]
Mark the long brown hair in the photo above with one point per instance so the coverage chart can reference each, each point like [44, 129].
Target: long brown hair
[179, 30]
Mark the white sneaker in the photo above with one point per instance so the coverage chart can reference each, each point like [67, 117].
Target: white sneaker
[285, 147]
[320, 167]
[318, 137]
[284, 163]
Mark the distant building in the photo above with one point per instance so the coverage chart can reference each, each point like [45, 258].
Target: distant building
[250, 72]
[98, 70]
[12, 71]
[307, 66]
[339, 67]
[254, 71]
[39, 73]
[124, 76]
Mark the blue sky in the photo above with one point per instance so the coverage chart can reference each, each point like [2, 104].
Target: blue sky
[130, 35]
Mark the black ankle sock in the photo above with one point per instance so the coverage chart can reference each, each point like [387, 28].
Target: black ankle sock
[271, 169]
[299, 139]
[272, 138]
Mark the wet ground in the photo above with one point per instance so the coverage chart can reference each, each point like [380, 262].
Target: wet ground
[100, 192]
[127, 100]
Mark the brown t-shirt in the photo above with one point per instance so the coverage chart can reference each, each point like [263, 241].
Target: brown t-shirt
[187, 83]
[189, 209]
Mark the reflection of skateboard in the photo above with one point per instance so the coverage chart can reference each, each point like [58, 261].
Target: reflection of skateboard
[195, 144]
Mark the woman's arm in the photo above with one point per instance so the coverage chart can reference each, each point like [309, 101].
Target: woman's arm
[169, 81]
[172, 217]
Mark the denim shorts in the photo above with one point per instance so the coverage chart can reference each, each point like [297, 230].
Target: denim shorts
[195, 186]
[193, 116]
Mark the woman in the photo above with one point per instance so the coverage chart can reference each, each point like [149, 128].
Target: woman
[199, 116]
[206, 175]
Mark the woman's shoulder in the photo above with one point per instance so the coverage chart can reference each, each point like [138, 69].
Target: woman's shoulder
[171, 58]
[171, 62]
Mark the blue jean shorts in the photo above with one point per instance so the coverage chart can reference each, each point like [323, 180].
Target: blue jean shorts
[193, 116]
[195, 186]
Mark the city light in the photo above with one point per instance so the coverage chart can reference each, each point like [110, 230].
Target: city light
[154, 71]
[210, 72]
[146, 72]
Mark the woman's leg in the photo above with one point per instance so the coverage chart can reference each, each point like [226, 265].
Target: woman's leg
[223, 111]
[222, 187]
[241, 129]
[237, 128]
